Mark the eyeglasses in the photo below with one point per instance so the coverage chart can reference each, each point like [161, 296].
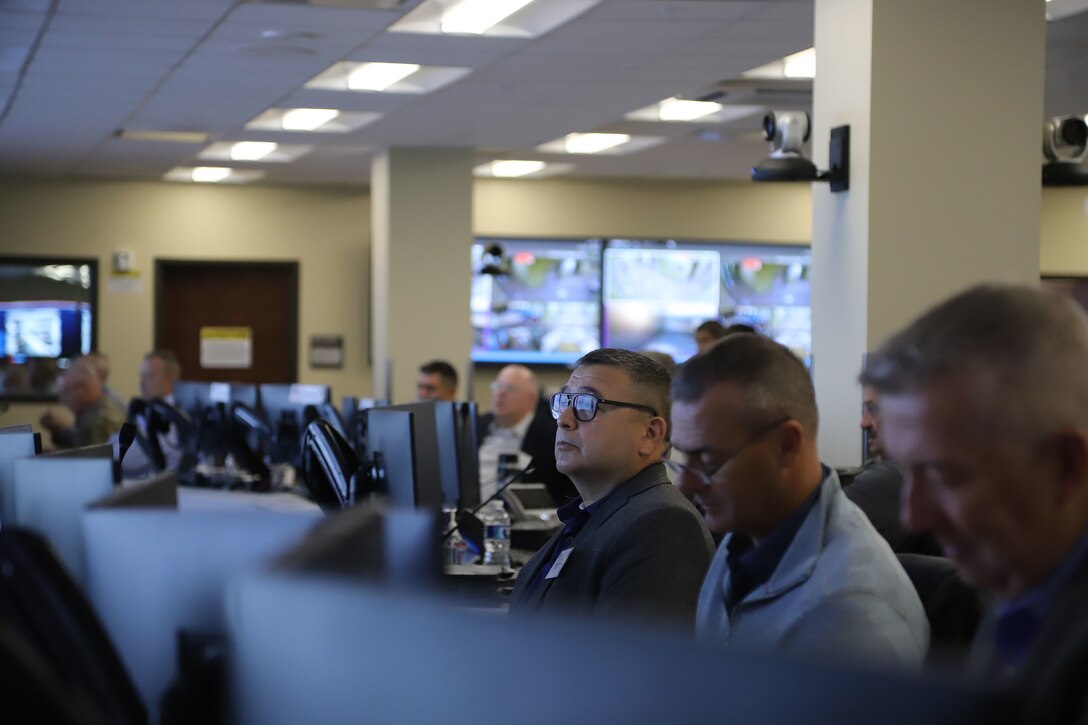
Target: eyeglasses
[705, 477]
[497, 387]
[585, 405]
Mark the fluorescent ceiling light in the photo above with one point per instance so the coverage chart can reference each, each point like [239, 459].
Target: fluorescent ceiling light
[593, 143]
[675, 109]
[475, 17]
[511, 168]
[251, 150]
[379, 76]
[167, 136]
[800, 65]
[210, 174]
[308, 119]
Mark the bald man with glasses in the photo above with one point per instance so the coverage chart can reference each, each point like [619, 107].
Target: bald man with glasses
[632, 547]
[800, 570]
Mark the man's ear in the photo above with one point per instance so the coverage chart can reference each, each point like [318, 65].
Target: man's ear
[790, 436]
[1071, 464]
[654, 436]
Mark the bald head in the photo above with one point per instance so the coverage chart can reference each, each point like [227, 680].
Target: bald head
[515, 393]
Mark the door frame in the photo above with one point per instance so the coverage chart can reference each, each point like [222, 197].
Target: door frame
[292, 266]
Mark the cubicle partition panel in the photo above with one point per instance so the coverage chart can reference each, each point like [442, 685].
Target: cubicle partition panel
[153, 572]
[49, 494]
[360, 654]
[15, 443]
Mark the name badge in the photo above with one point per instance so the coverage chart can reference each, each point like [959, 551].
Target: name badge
[559, 562]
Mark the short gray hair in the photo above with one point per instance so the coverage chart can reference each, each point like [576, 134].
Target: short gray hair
[775, 383]
[650, 377]
[1023, 351]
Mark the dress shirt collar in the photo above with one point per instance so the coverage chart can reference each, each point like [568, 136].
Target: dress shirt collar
[519, 429]
[751, 565]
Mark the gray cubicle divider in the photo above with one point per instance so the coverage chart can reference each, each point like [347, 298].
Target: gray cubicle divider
[50, 492]
[360, 654]
[15, 442]
[152, 572]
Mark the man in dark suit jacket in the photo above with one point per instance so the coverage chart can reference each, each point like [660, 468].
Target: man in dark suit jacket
[876, 487]
[520, 420]
[632, 546]
[985, 402]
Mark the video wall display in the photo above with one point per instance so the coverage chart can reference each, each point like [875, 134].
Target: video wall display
[535, 301]
[47, 310]
[632, 293]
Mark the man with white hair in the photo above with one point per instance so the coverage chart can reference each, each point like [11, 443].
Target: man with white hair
[520, 424]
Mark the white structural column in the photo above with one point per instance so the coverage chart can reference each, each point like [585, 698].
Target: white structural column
[945, 105]
[420, 257]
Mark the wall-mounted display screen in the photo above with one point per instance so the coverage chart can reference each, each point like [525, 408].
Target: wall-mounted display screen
[551, 301]
[658, 292]
[47, 309]
[655, 296]
[535, 301]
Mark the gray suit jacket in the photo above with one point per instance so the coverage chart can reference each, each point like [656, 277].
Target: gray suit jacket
[1054, 681]
[643, 554]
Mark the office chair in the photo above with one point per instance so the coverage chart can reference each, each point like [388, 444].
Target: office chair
[953, 608]
[62, 639]
[329, 465]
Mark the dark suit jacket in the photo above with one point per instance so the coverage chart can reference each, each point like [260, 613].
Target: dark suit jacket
[644, 553]
[875, 489]
[1054, 680]
[539, 442]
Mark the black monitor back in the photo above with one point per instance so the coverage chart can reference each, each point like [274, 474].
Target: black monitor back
[460, 456]
[391, 450]
[436, 474]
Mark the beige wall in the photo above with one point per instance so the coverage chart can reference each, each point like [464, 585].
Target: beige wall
[1064, 234]
[327, 230]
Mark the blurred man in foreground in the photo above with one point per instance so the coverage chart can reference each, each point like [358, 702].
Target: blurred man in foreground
[985, 401]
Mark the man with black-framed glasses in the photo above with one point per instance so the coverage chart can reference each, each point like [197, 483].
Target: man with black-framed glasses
[800, 569]
[631, 546]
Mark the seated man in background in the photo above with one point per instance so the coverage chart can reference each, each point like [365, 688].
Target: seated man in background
[96, 416]
[876, 488]
[100, 364]
[159, 371]
[437, 380]
[801, 569]
[521, 424]
[985, 402]
[707, 334]
[631, 545]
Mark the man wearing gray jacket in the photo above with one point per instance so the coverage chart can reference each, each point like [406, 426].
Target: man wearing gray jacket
[800, 570]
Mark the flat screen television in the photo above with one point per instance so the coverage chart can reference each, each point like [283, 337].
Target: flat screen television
[656, 293]
[535, 301]
[48, 315]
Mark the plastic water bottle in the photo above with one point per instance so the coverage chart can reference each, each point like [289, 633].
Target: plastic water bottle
[496, 534]
[455, 550]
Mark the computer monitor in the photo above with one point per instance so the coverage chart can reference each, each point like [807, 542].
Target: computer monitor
[289, 408]
[15, 442]
[458, 455]
[434, 444]
[391, 463]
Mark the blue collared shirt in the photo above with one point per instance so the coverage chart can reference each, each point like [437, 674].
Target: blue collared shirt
[751, 565]
[1019, 620]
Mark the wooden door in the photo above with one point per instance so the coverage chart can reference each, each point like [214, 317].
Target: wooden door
[261, 296]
